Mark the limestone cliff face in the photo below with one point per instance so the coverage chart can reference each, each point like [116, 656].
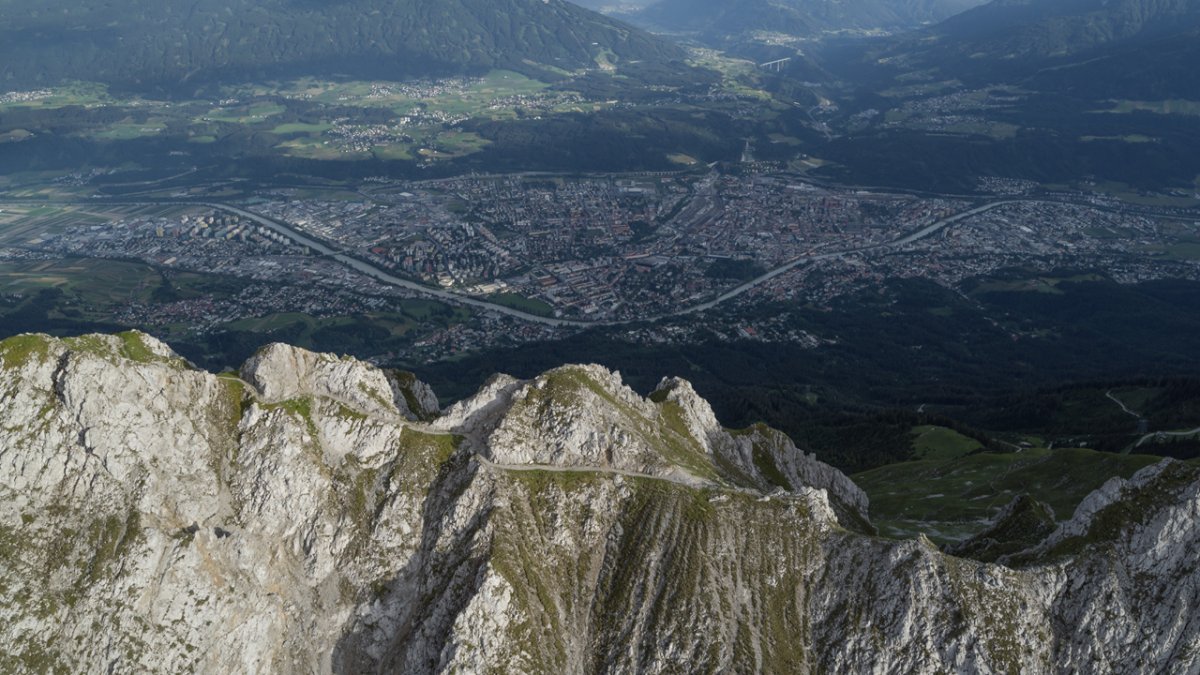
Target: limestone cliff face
[316, 514]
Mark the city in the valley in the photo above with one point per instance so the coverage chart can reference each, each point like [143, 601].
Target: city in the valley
[525, 257]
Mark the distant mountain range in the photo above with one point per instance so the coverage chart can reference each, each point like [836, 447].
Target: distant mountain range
[140, 43]
[719, 20]
[1018, 29]
[1125, 48]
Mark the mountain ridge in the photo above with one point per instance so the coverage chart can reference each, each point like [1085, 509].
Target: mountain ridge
[298, 515]
[720, 20]
[1122, 49]
[139, 44]
[1019, 27]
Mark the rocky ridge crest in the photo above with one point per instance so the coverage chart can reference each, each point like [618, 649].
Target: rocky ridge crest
[300, 517]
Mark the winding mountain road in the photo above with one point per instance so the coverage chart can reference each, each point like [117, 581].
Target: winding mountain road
[692, 483]
[555, 468]
[1177, 434]
[1121, 403]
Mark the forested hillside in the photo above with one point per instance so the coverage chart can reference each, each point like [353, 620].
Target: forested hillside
[140, 43]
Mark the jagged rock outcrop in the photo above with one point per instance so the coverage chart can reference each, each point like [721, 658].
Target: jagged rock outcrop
[1022, 523]
[418, 397]
[301, 518]
[585, 416]
[280, 372]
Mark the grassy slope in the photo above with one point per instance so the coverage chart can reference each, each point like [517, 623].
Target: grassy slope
[940, 443]
[949, 499]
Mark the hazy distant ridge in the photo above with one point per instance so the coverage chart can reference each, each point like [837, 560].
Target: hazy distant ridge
[138, 42]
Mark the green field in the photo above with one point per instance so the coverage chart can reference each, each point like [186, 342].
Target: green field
[301, 128]
[273, 322]
[1128, 193]
[472, 97]
[996, 130]
[93, 288]
[311, 142]
[411, 122]
[126, 132]
[250, 114]
[517, 301]
[93, 281]
[309, 147]
[735, 73]
[1032, 285]
[16, 136]
[940, 443]
[414, 314]
[954, 498]
[460, 142]
[390, 152]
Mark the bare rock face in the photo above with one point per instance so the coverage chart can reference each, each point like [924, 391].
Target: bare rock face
[318, 514]
[280, 372]
[419, 400]
[480, 413]
[585, 416]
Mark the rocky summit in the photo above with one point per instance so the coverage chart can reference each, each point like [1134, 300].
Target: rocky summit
[312, 513]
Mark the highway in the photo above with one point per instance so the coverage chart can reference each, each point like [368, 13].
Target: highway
[449, 296]
[380, 275]
[804, 260]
